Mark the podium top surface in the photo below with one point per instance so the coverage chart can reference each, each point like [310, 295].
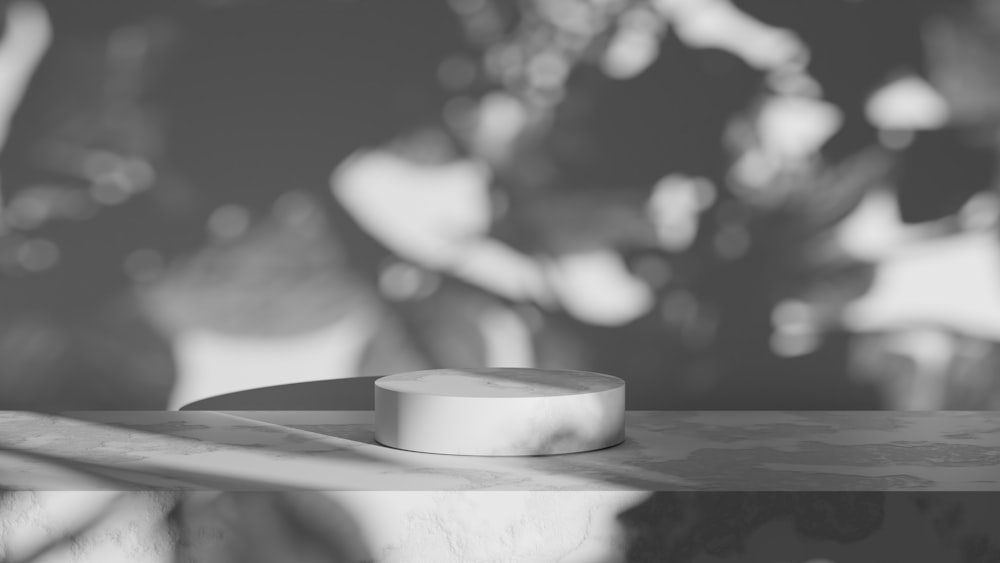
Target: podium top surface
[502, 382]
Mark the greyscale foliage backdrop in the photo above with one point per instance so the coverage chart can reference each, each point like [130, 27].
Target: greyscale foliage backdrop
[168, 169]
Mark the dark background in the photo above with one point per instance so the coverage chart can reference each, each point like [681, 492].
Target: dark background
[752, 205]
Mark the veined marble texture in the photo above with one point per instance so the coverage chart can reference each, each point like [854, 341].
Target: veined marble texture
[730, 487]
[663, 451]
[315, 526]
[499, 411]
[498, 527]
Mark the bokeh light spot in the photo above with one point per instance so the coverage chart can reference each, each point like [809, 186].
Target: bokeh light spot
[36, 255]
[631, 51]
[401, 281]
[796, 126]
[674, 207]
[796, 328]
[548, 70]
[229, 221]
[793, 313]
[27, 211]
[910, 103]
[792, 344]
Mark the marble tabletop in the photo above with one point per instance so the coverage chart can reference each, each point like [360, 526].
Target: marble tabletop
[663, 451]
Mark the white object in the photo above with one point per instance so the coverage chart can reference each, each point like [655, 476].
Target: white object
[426, 213]
[499, 411]
[27, 36]
[908, 103]
[595, 287]
[948, 282]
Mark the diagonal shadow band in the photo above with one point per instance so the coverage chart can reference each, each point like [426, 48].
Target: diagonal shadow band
[182, 435]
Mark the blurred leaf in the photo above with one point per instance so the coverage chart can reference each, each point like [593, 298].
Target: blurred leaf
[66, 541]
[689, 526]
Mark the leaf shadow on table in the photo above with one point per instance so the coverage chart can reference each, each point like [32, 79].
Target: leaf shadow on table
[866, 527]
[700, 511]
[249, 521]
[201, 432]
[265, 527]
[683, 526]
[221, 527]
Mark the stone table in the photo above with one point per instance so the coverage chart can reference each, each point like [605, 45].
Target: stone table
[683, 486]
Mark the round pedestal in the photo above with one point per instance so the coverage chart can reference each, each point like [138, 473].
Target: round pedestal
[499, 411]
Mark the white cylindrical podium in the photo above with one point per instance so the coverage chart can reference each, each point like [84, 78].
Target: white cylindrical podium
[499, 411]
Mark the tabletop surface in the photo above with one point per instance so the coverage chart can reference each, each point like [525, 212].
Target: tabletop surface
[663, 451]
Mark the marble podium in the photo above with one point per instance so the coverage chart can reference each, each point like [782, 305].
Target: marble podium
[499, 411]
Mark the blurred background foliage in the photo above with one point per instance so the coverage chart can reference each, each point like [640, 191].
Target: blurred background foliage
[729, 204]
